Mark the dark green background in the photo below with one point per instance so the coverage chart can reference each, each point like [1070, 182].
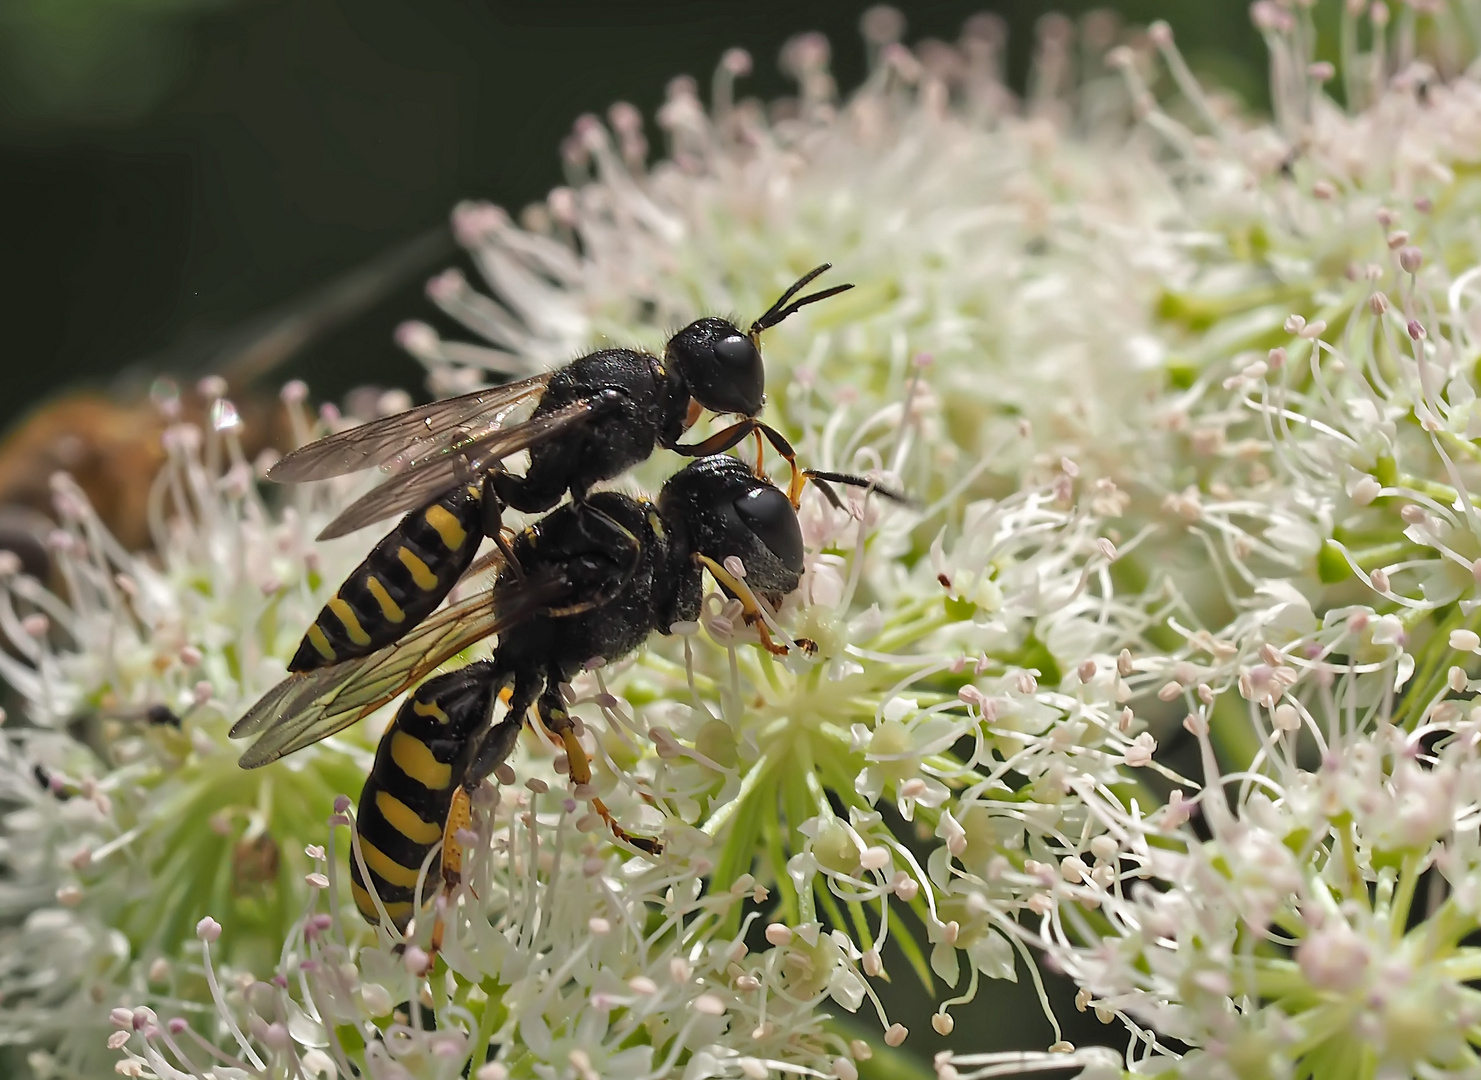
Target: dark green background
[170, 167]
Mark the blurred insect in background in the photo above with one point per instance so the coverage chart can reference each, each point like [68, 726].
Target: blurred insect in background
[111, 442]
[112, 445]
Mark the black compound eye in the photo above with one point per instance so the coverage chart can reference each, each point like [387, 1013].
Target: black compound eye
[720, 367]
[737, 351]
[771, 517]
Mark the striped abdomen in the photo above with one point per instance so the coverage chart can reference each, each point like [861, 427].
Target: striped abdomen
[405, 802]
[399, 584]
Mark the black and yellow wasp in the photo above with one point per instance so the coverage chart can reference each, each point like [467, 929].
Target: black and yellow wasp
[596, 578]
[594, 419]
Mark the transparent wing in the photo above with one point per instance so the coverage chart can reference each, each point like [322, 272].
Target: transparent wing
[309, 706]
[425, 480]
[414, 434]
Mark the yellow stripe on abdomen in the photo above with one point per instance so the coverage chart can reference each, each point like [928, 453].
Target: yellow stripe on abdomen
[346, 615]
[389, 608]
[386, 868]
[448, 527]
[399, 912]
[405, 820]
[320, 642]
[414, 759]
[423, 577]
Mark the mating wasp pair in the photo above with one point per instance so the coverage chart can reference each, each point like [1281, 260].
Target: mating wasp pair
[593, 578]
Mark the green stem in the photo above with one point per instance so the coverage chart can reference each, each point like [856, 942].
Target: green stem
[1398, 911]
[1430, 676]
[1357, 889]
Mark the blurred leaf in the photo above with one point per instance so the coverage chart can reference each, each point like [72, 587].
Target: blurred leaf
[93, 61]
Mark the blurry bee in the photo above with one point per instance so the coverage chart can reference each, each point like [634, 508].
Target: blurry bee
[111, 443]
[594, 418]
[598, 576]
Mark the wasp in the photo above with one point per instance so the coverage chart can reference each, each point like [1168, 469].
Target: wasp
[594, 418]
[599, 576]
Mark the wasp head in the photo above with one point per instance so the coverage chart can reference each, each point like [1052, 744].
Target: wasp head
[721, 365]
[724, 509]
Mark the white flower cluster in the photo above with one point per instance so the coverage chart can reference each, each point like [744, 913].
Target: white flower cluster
[566, 957]
[126, 816]
[973, 647]
[1185, 406]
[1317, 914]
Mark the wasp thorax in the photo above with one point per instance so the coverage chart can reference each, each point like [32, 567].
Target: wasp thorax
[720, 365]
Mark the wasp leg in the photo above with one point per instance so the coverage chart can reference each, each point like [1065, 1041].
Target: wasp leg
[719, 442]
[553, 715]
[722, 441]
[492, 560]
[491, 750]
[749, 608]
[780, 444]
[493, 525]
[459, 814]
[540, 489]
[554, 463]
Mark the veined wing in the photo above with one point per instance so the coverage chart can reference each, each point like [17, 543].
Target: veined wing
[309, 706]
[418, 485]
[416, 433]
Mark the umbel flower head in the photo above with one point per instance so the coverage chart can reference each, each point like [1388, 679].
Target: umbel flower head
[1163, 681]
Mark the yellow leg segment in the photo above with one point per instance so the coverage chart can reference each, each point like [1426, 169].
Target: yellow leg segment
[749, 608]
[458, 817]
[794, 488]
[578, 768]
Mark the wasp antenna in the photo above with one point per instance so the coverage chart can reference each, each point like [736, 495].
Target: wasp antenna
[819, 477]
[794, 289]
[781, 309]
[791, 309]
[826, 488]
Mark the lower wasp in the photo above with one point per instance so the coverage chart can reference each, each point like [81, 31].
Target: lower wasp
[595, 579]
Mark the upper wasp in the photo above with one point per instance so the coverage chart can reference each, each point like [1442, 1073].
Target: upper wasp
[594, 418]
